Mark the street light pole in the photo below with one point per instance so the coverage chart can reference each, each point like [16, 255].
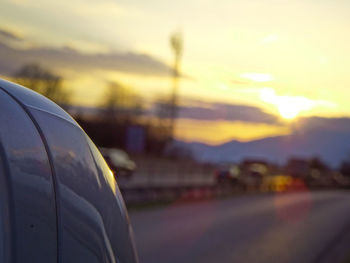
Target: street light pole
[176, 43]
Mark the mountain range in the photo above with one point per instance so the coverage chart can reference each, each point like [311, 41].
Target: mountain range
[325, 138]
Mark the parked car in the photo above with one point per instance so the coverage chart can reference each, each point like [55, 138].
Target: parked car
[58, 199]
[119, 161]
[228, 174]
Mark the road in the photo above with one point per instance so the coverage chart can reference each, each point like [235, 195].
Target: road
[293, 227]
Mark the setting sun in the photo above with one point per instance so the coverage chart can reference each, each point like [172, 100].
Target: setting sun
[288, 107]
[288, 111]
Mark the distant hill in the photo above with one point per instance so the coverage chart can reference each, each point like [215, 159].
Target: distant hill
[328, 139]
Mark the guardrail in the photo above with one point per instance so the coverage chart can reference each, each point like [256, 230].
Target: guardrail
[157, 188]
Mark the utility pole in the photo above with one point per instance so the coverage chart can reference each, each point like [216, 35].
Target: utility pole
[176, 43]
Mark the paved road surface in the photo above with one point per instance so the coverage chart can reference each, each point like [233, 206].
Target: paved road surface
[299, 227]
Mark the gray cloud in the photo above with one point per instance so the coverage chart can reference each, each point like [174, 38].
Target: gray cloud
[322, 124]
[227, 112]
[12, 58]
[6, 34]
[207, 112]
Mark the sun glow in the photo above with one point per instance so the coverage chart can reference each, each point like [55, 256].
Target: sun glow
[258, 77]
[289, 107]
[192, 130]
[288, 111]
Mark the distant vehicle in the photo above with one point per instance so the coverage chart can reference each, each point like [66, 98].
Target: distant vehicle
[253, 173]
[119, 161]
[277, 183]
[59, 201]
[227, 174]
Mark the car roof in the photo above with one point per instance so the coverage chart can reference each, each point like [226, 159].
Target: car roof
[34, 100]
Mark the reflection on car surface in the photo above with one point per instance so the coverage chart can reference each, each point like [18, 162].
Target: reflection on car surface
[119, 161]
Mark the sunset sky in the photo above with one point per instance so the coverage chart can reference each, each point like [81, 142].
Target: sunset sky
[251, 68]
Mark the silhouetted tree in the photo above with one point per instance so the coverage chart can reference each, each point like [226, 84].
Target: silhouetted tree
[121, 102]
[345, 167]
[318, 164]
[37, 78]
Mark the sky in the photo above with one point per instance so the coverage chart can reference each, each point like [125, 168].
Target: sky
[250, 69]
